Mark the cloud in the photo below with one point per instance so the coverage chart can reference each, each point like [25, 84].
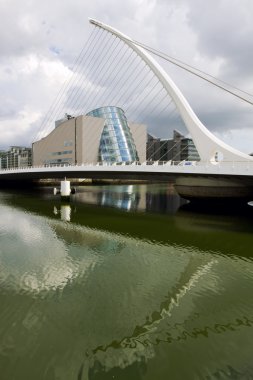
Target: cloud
[40, 41]
[27, 86]
[226, 35]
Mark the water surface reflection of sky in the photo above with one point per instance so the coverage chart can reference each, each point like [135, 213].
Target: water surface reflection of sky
[92, 292]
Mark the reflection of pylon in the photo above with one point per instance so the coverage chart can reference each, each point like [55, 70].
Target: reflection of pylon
[65, 212]
[138, 346]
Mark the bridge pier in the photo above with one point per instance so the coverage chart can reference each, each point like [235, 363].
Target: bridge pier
[65, 190]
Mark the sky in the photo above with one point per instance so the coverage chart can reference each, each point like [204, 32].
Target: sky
[40, 40]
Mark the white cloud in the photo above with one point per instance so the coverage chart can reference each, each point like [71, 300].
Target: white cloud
[40, 40]
[22, 124]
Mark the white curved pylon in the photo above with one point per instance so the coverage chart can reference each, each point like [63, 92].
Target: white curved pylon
[208, 145]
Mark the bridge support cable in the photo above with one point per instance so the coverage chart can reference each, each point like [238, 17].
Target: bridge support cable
[142, 91]
[141, 88]
[96, 75]
[134, 86]
[115, 100]
[80, 84]
[117, 89]
[168, 151]
[86, 73]
[207, 144]
[124, 91]
[111, 73]
[151, 146]
[55, 106]
[117, 85]
[112, 69]
[201, 74]
[58, 108]
[142, 119]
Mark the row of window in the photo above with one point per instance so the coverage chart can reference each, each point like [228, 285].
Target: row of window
[68, 143]
[61, 153]
[116, 140]
[58, 161]
[117, 134]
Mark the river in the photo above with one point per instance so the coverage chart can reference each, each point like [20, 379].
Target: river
[124, 282]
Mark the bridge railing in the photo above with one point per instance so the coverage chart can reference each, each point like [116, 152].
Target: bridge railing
[235, 167]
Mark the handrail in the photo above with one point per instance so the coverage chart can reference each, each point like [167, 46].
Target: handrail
[223, 164]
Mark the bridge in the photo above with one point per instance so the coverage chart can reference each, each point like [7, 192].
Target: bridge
[221, 172]
[192, 179]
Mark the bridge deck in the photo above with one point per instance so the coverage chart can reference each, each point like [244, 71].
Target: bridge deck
[193, 180]
[148, 170]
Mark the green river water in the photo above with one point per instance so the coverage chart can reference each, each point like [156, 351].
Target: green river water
[124, 282]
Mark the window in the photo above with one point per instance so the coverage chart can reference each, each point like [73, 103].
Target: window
[62, 152]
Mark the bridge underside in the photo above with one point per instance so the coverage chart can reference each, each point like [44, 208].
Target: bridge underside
[17, 177]
[189, 186]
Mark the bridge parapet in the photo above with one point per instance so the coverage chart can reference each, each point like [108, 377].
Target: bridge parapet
[233, 168]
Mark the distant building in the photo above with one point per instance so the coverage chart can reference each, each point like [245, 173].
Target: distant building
[178, 148]
[16, 157]
[2, 159]
[103, 135]
[188, 151]
[159, 149]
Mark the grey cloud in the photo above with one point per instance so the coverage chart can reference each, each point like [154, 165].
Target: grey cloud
[191, 30]
[223, 29]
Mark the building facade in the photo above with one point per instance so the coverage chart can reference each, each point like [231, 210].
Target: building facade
[179, 148]
[159, 149]
[16, 157]
[103, 135]
[117, 143]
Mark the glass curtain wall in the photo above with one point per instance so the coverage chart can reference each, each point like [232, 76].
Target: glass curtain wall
[116, 143]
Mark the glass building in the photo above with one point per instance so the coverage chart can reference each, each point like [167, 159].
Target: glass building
[177, 149]
[116, 143]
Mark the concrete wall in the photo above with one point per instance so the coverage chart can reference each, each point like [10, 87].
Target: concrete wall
[139, 133]
[91, 133]
[81, 137]
[83, 132]
[54, 142]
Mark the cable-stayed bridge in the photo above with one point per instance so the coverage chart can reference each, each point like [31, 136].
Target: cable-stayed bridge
[221, 171]
[193, 179]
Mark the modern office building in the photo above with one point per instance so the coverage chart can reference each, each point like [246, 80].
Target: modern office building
[159, 149]
[179, 148]
[2, 159]
[16, 157]
[188, 151]
[103, 135]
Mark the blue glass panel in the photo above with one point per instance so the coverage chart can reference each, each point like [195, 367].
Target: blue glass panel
[116, 142]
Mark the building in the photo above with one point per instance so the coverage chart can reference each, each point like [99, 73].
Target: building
[179, 148]
[188, 151]
[2, 159]
[159, 149]
[16, 157]
[103, 135]
[117, 143]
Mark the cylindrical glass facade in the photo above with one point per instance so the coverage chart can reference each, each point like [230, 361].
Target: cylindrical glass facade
[116, 143]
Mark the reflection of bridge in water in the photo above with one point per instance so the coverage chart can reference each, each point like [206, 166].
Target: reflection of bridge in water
[153, 198]
[179, 270]
[221, 172]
